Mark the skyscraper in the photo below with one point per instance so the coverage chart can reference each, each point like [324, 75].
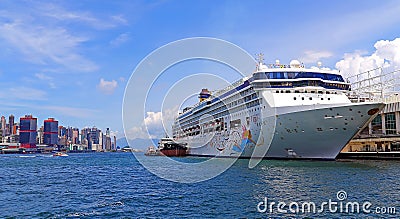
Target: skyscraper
[3, 125]
[50, 132]
[115, 143]
[62, 131]
[75, 136]
[11, 122]
[27, 131]
[107, 140]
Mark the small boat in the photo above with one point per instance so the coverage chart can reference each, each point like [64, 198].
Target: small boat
[60, 154]
[152, 151]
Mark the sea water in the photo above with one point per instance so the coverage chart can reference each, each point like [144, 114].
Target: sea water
[116, 185]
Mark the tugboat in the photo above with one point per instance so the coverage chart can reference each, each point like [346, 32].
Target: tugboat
[169, 148]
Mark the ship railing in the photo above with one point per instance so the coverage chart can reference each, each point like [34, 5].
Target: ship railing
[379, 84]
[228, 88]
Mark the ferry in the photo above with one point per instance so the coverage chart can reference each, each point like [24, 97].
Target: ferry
[290, 111]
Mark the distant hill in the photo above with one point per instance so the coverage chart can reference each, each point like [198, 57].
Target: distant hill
[137, 143]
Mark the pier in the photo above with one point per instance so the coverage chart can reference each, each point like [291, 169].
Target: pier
[379, 139]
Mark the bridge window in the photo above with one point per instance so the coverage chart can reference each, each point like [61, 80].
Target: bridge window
[293, 75]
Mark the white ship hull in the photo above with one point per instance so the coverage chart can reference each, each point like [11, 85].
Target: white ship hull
[314, 133]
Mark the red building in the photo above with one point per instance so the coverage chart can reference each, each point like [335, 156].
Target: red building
[28, 131]
[50, 132]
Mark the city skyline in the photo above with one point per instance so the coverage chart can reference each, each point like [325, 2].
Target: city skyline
[71, 60]
[29, 134]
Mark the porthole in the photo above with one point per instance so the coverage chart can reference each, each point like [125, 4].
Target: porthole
[294, 98]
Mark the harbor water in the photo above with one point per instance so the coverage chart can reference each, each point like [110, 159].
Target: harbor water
[116, 185]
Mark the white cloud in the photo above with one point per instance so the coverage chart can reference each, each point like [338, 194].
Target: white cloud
[122, 79]
[46, 45]
[42, 76]
[25, 93]
[61, 14]
[389, 50]
[107, 87]
[43, 34]
[386, 54]
[311, 56]
[49, 80]
[155, 125]
[119, 19]
[137, 132]
[116, 133]
[71, 111]
[122, 38]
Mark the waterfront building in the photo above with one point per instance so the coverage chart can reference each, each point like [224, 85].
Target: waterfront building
[62, 131]
[16, 129]
[11, 139]
[8, 132]
[2, 138]
[382, 134]
[114, 147]
[84, 135]
[50, 132]
[92, 138]
[40, 137]
[3, 125]
[11, 122]
[107, 140]
[94, 135]
[28, 131]
[75, 136]
[62, 141]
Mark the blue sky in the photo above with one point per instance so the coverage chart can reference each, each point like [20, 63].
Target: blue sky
[72, 59]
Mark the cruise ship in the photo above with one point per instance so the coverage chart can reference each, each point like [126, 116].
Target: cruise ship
[277, 112]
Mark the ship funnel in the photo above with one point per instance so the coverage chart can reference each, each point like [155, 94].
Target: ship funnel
[204, 94]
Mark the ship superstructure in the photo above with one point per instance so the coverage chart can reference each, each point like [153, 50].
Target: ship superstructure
[292, 111]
